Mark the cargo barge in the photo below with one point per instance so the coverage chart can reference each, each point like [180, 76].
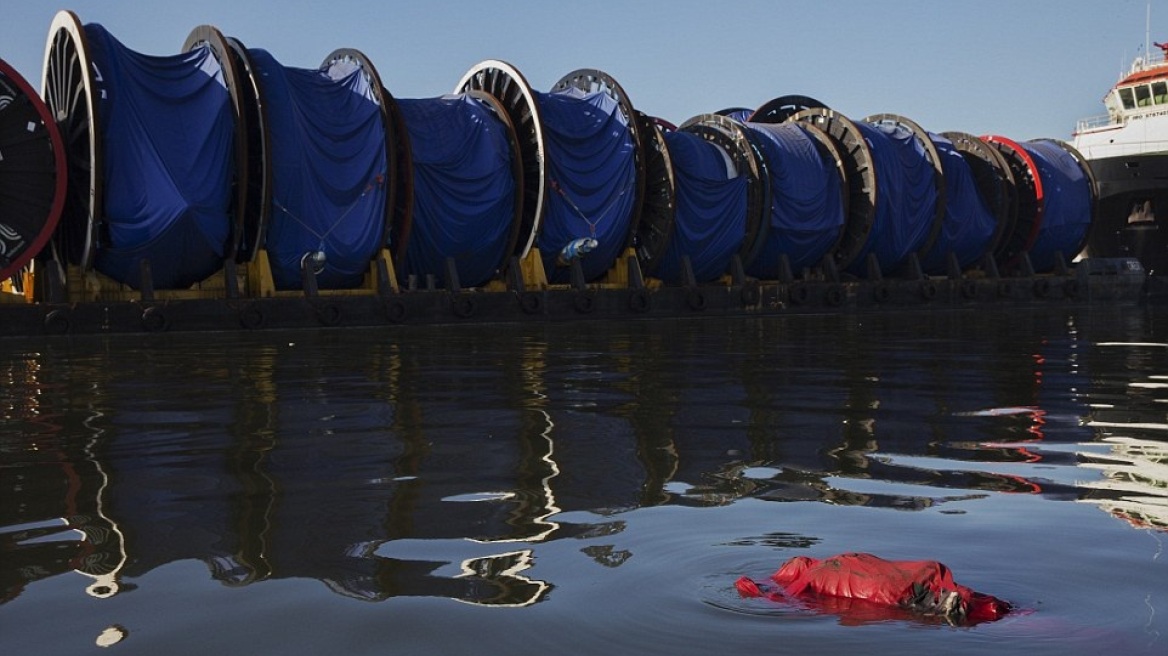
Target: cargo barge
[218, 189]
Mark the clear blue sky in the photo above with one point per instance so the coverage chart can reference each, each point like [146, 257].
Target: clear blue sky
[1019, 68]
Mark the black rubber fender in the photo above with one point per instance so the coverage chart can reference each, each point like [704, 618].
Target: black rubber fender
[464, 306]
[1041, 288]
[154, 319]
[58, 322]
[799, 294]
[639, 300]
[968, 289]
[834, 296]
[396, 310]
[927, 290]
[252, 317]
[695, 299]
[1071, 288]
[1004, 288]
[882, 292]
[751, 294]
[584, 302]
[530, 302]
[329, 314]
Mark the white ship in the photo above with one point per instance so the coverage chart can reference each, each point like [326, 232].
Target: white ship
[1128, 153]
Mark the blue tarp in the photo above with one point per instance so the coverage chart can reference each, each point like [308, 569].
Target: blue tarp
[968, 228]
[710, 215]
[807, 202]
[328, 155]
[464, 188]
[1066, 211]
[592, 178]
[168, 132]
[740, 114]
[906, 198]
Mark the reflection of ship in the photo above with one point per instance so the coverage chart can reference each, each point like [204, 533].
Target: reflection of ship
[1135, 487]
[1128, 152]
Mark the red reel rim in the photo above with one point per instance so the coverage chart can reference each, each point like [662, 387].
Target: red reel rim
[57, 144]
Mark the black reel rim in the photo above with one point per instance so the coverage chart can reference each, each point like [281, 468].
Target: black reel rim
[780, 109]
[495, 107]
[1028, 204]
[68, 91]
[860, 179]
[659, 205]
[993, 177]
[259, 160]
[506, 84]
[210, 36]
[732, 137]
[829, 149]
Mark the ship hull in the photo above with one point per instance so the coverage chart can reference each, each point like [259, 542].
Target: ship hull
[1132, 219]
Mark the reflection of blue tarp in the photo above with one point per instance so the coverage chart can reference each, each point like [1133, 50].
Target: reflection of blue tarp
[968, 228]
[464, 190]
[807, 206]
[1066, 211]
[906, 197]
[168, 149]
[592, 175]
[328, 157]
[710, 218]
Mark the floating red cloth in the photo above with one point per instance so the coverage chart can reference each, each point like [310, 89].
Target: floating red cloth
[922, 586]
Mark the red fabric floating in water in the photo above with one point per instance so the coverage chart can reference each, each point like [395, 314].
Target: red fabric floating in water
[924, 587]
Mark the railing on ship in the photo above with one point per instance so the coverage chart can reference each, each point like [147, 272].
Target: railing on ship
[1092, 123]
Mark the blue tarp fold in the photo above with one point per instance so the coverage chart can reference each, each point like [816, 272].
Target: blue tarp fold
[1066, 212]
[905, 198]
[807, 203]
[328, 154]
[464, 188]
[168, 132]
[710, 216]
[968, 228]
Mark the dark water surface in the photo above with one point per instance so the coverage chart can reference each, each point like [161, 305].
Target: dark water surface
[583, 489]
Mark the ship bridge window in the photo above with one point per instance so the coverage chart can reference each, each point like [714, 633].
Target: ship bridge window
[1143, 95]
[1160, 92]
[1129, 101]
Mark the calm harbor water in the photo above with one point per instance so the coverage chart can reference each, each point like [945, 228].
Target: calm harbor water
[584, 489]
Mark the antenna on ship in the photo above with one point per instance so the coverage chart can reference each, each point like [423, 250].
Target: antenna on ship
[1148, 36]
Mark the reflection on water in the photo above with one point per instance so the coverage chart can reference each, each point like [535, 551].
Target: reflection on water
[1136, 479]
[433, 462]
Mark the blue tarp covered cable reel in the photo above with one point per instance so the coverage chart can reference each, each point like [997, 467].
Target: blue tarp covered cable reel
[1069, 195]
[162, 178]
[723, 197]
[910, 193]
[467, 186]
[592, 177]
[808, 201]
[710, 216]
[970, 226]
[329, 165]
[895, 189]
[1055, 202]
[581, 160]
